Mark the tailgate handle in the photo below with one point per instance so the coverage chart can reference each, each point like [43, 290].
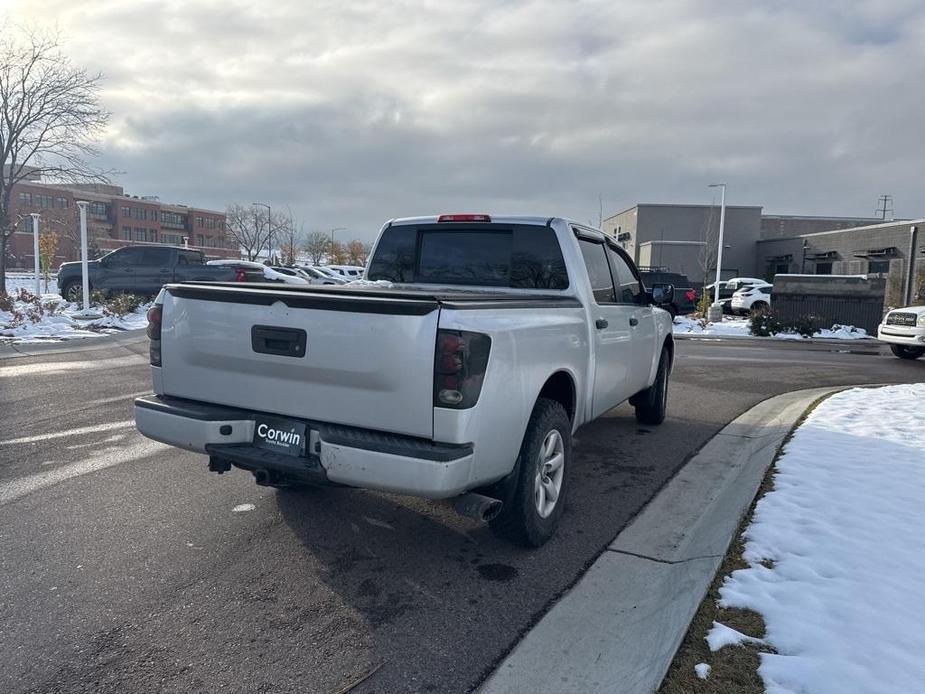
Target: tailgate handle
[283, 342]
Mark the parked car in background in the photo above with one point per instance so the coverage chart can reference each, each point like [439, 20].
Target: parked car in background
[903, 329]
[749, 299]
[729, 287]
[318, 276]
[685, 296]
[257, 272]
[140, 270]
[353, 272]
[463, 379]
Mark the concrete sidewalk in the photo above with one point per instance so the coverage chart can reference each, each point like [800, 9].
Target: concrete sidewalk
[618, 628]
[83, 344]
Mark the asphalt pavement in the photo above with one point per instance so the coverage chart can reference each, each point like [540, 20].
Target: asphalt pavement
[126, 567]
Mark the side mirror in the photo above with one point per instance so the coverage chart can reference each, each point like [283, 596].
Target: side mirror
[662, 294]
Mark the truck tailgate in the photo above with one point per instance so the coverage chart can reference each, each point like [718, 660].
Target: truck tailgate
[364, 360]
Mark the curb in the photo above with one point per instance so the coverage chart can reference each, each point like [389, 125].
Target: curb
[861, 342]
[85, 344]
[618, 628]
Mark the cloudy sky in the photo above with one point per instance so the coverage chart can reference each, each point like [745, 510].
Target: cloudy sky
[354, 112]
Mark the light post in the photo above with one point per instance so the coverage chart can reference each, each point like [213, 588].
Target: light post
[269, 229]
[331, 254]
[716, 308]
[35, 246]
[84, 268]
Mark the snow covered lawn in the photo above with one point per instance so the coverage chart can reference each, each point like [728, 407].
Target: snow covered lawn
[738, 327]
[26, 280]
[836, 551]
[56, 321]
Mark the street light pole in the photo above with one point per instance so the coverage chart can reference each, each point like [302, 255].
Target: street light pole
[84, 267]
[717, 306]
[35, 246]
[269, 229]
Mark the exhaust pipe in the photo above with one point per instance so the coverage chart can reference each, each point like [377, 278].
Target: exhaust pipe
[477, 506]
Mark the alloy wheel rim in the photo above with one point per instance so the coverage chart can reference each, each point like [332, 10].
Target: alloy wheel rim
[550, 471]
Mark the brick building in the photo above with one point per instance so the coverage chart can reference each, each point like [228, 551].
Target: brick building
[114, 219]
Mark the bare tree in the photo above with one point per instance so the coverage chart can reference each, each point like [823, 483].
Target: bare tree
[50, 119]
[249, 226]
[337, 253]
[316, 245]
[289, 237]
[357, 252]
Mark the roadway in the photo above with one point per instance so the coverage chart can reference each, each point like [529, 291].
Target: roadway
[126, 567]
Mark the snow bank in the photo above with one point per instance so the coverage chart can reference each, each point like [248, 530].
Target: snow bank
[844, 601]
[738, 327]
[57, 321]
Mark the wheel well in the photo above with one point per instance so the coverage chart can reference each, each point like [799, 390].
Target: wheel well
[669, 345]
[561, 388]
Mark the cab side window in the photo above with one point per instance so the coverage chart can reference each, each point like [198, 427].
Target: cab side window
[595, 258]
[125, 256]
[628, 288]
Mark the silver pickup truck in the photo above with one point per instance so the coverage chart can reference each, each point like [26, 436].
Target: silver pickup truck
[459, 369]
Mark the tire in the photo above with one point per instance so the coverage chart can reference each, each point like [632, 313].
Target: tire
[528, 517]
[72, 287]
[906, 352]
[652, 403]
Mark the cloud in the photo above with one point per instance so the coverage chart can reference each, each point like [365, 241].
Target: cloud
[353, 112]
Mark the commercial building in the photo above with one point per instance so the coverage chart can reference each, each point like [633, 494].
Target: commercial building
[114, 219]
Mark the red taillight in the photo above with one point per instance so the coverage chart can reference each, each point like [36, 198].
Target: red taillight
[459, 368]
[155, 316]
[240, 276]
[464, 218]
[691, 295]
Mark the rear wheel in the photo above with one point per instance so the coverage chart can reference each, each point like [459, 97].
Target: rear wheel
[906, 352]
[531, 515]
[652, 403]
[72, 291]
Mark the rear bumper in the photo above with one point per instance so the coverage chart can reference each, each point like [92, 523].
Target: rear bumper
[343, 455]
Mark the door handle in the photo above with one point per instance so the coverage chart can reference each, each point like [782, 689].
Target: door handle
[634, 322]
[600, 324]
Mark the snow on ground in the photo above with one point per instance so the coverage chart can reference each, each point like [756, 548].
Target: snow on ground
[59, 321]
[738, 327]
[26, 280]
[721, 636]
[844, 597]
[702, 670]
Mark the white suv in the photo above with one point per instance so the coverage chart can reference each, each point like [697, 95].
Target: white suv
[904, 330]
[750, 299]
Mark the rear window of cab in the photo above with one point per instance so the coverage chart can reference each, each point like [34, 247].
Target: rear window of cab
[491, 255]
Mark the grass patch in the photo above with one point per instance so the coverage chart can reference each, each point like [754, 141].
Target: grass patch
[733, 669]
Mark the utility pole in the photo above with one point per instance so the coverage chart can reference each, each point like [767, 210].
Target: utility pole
[885, 204]
[331, 254]
[715, 314]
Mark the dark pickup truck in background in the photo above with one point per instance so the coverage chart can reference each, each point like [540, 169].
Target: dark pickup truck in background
[142, 270]
[685, 295]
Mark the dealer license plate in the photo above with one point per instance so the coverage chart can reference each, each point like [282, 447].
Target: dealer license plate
[280, 435]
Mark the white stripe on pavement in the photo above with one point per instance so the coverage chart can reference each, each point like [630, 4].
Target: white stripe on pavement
[54, 367]
[107, 458]
[71, 432]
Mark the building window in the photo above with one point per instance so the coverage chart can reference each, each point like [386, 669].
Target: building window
[44, 201]
[126, 233]
[781, 268]
[126, 211]
[61, 202]
[198, 221]
[823, 268]
[99, 209]
[140, 234]
[878, 266]
[25, 225]
[25, 199]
